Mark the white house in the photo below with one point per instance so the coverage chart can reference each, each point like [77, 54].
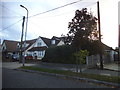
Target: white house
[37, 47]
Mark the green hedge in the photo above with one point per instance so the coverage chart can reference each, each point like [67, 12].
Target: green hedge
[60, 54]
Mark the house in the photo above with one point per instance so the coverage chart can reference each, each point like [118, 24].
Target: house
[9, 48]
[109, 54]
[38, 47]
[35, 47]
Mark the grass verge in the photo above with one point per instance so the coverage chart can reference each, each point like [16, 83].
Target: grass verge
[112, 79]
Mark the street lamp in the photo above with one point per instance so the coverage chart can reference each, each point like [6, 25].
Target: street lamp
[25, 32]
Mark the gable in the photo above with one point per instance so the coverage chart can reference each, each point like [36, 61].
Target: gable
[37, 43]
[47, 41]
[40, 43]
[60, 43]
[3, 47]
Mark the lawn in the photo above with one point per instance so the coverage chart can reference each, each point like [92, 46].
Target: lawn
[112, 79]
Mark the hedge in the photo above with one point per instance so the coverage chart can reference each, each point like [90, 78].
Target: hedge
[60, 54]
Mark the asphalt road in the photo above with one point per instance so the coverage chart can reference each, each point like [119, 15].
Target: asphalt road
[19, 79]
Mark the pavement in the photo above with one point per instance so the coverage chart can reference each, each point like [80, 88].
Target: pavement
[112, 66]
[70, 67]
[14, 65]
[111, 69]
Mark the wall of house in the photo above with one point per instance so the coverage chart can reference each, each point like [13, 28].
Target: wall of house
[30, 53]
[112, 55]
[39, 43]
[60, 43]
[39, 54]
[0, 48]
[3, 47]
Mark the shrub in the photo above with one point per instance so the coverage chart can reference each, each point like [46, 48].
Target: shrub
[81, 56]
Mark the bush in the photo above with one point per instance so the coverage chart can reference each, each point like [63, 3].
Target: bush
[60, 54]
[81, 56]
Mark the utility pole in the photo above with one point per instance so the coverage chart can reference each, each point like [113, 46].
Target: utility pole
[119, 44]
[21, 47]
[101, 58]
[25, 33]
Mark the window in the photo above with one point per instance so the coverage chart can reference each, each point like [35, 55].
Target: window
[53, 42]
[3, 48]
[40, 53]
[18, 45]
[39, 44]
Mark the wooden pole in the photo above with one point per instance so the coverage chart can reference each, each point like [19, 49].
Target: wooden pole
[101, 58]
[21, 56]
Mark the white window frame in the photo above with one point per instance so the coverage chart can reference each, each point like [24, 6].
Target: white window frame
[40, 53]
[39, 44]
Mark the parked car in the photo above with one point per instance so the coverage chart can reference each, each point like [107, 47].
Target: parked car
[15, 57]
[28, 57]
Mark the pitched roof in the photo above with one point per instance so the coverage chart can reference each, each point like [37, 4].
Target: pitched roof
[46, 40]
[38, 48]
[57, 39]
[30, 42]
[106, 47]
[11, 46]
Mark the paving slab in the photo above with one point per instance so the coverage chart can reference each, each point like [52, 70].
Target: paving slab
[112, 66]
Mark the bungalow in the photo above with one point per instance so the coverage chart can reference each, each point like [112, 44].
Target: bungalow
[35, 47]
[9, 48]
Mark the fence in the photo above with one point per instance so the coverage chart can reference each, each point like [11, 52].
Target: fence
[92, 60]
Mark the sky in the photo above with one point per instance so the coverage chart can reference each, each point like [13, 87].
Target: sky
[55, 23]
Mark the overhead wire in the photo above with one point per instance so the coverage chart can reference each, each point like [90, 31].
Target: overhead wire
[10, 25]
[10, 17]
[44, 13]
[10, 10]
[55, 8]
[71, 11]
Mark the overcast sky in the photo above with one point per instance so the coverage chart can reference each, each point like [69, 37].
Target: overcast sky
[55, 23]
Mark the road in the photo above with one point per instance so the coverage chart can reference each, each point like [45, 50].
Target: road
[19, 79]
